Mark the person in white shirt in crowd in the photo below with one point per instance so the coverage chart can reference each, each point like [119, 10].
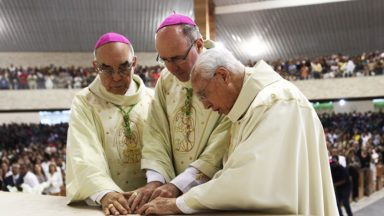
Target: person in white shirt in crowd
[29, 177]
[54, 179]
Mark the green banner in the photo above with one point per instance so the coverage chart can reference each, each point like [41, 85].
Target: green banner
[323, 106]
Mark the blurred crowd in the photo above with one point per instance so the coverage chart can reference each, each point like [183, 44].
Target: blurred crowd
[33, 158]
[34, 154]
[327, 67]
[355, 142]
[54, 77]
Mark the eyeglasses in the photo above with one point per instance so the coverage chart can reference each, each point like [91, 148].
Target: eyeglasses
[123, 70]
[175, 59]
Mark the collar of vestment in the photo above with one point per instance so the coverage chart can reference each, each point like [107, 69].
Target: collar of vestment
[132, 96]
[186, 84]
[255, 79]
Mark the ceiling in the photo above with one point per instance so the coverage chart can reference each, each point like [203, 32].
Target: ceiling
[348, 27]
[75, 25]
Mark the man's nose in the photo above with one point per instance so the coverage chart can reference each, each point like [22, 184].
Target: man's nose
[116, 76]
[172, 67]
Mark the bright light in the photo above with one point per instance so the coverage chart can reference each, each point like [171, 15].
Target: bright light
[255, 46]
[54, 117]
[219, 45]
[236, 38]
[377, 100]
[2, 26]
[342, 102]
[233, 37]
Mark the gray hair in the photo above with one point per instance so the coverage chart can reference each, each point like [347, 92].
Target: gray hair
[191, 32]
[207, 63]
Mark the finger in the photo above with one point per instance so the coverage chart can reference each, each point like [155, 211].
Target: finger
[155, 194]
[131, 199]
[127, 195]
[124, 203]
[150, 210]
[106, 211]
[144, 199]
[142, 209]
[136, 201]
[113, 211]
[119, 207]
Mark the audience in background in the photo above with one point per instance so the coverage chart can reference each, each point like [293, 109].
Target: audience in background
[359, 137]
[24, 146]
[333, 66]
[54, 77]
[325, 67]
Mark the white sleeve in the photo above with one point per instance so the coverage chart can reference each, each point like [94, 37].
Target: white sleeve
[188, 179]
[94, 200]
[180, 203]
[152, 176]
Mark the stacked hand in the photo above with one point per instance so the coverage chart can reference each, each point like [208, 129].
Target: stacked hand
[114, 203]
[160, 206]
[136, 199]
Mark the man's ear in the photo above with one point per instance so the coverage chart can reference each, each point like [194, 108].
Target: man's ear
[223, 73]
[94, 63]
[134, 61]
[200, 45]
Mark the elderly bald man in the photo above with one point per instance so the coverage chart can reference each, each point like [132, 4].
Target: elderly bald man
[105, 129]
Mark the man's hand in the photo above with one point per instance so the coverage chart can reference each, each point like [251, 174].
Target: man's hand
[139, 197]
[114, 203]
[168, 190]
[161, 206]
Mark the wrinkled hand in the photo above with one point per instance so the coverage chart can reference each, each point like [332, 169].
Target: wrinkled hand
[139, 197]
[168, 190]
[114, 203]
[161, 206]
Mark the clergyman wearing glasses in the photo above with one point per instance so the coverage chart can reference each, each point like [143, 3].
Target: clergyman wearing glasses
[105, 130]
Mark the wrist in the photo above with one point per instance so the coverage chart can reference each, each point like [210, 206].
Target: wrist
[176, 189]
[154, 184]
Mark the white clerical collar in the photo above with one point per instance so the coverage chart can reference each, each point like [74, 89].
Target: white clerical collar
[132, 88]
[255, 80]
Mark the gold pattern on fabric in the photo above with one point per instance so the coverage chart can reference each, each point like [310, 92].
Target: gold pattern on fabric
[184, 124]
[128, 139]
[129, 148]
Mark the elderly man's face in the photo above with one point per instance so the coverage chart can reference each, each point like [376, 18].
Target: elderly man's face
[215, 93]
[177, 51]
[115, 66]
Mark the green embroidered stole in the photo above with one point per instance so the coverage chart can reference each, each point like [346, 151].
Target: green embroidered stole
[126, 122]
[187, 108]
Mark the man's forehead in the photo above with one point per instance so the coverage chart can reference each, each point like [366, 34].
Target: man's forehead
[170, 33]
[123, 63]
[113, 49]
[196, 80]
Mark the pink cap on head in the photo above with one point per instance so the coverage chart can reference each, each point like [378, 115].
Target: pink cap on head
[111, 37]
[175, 19]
